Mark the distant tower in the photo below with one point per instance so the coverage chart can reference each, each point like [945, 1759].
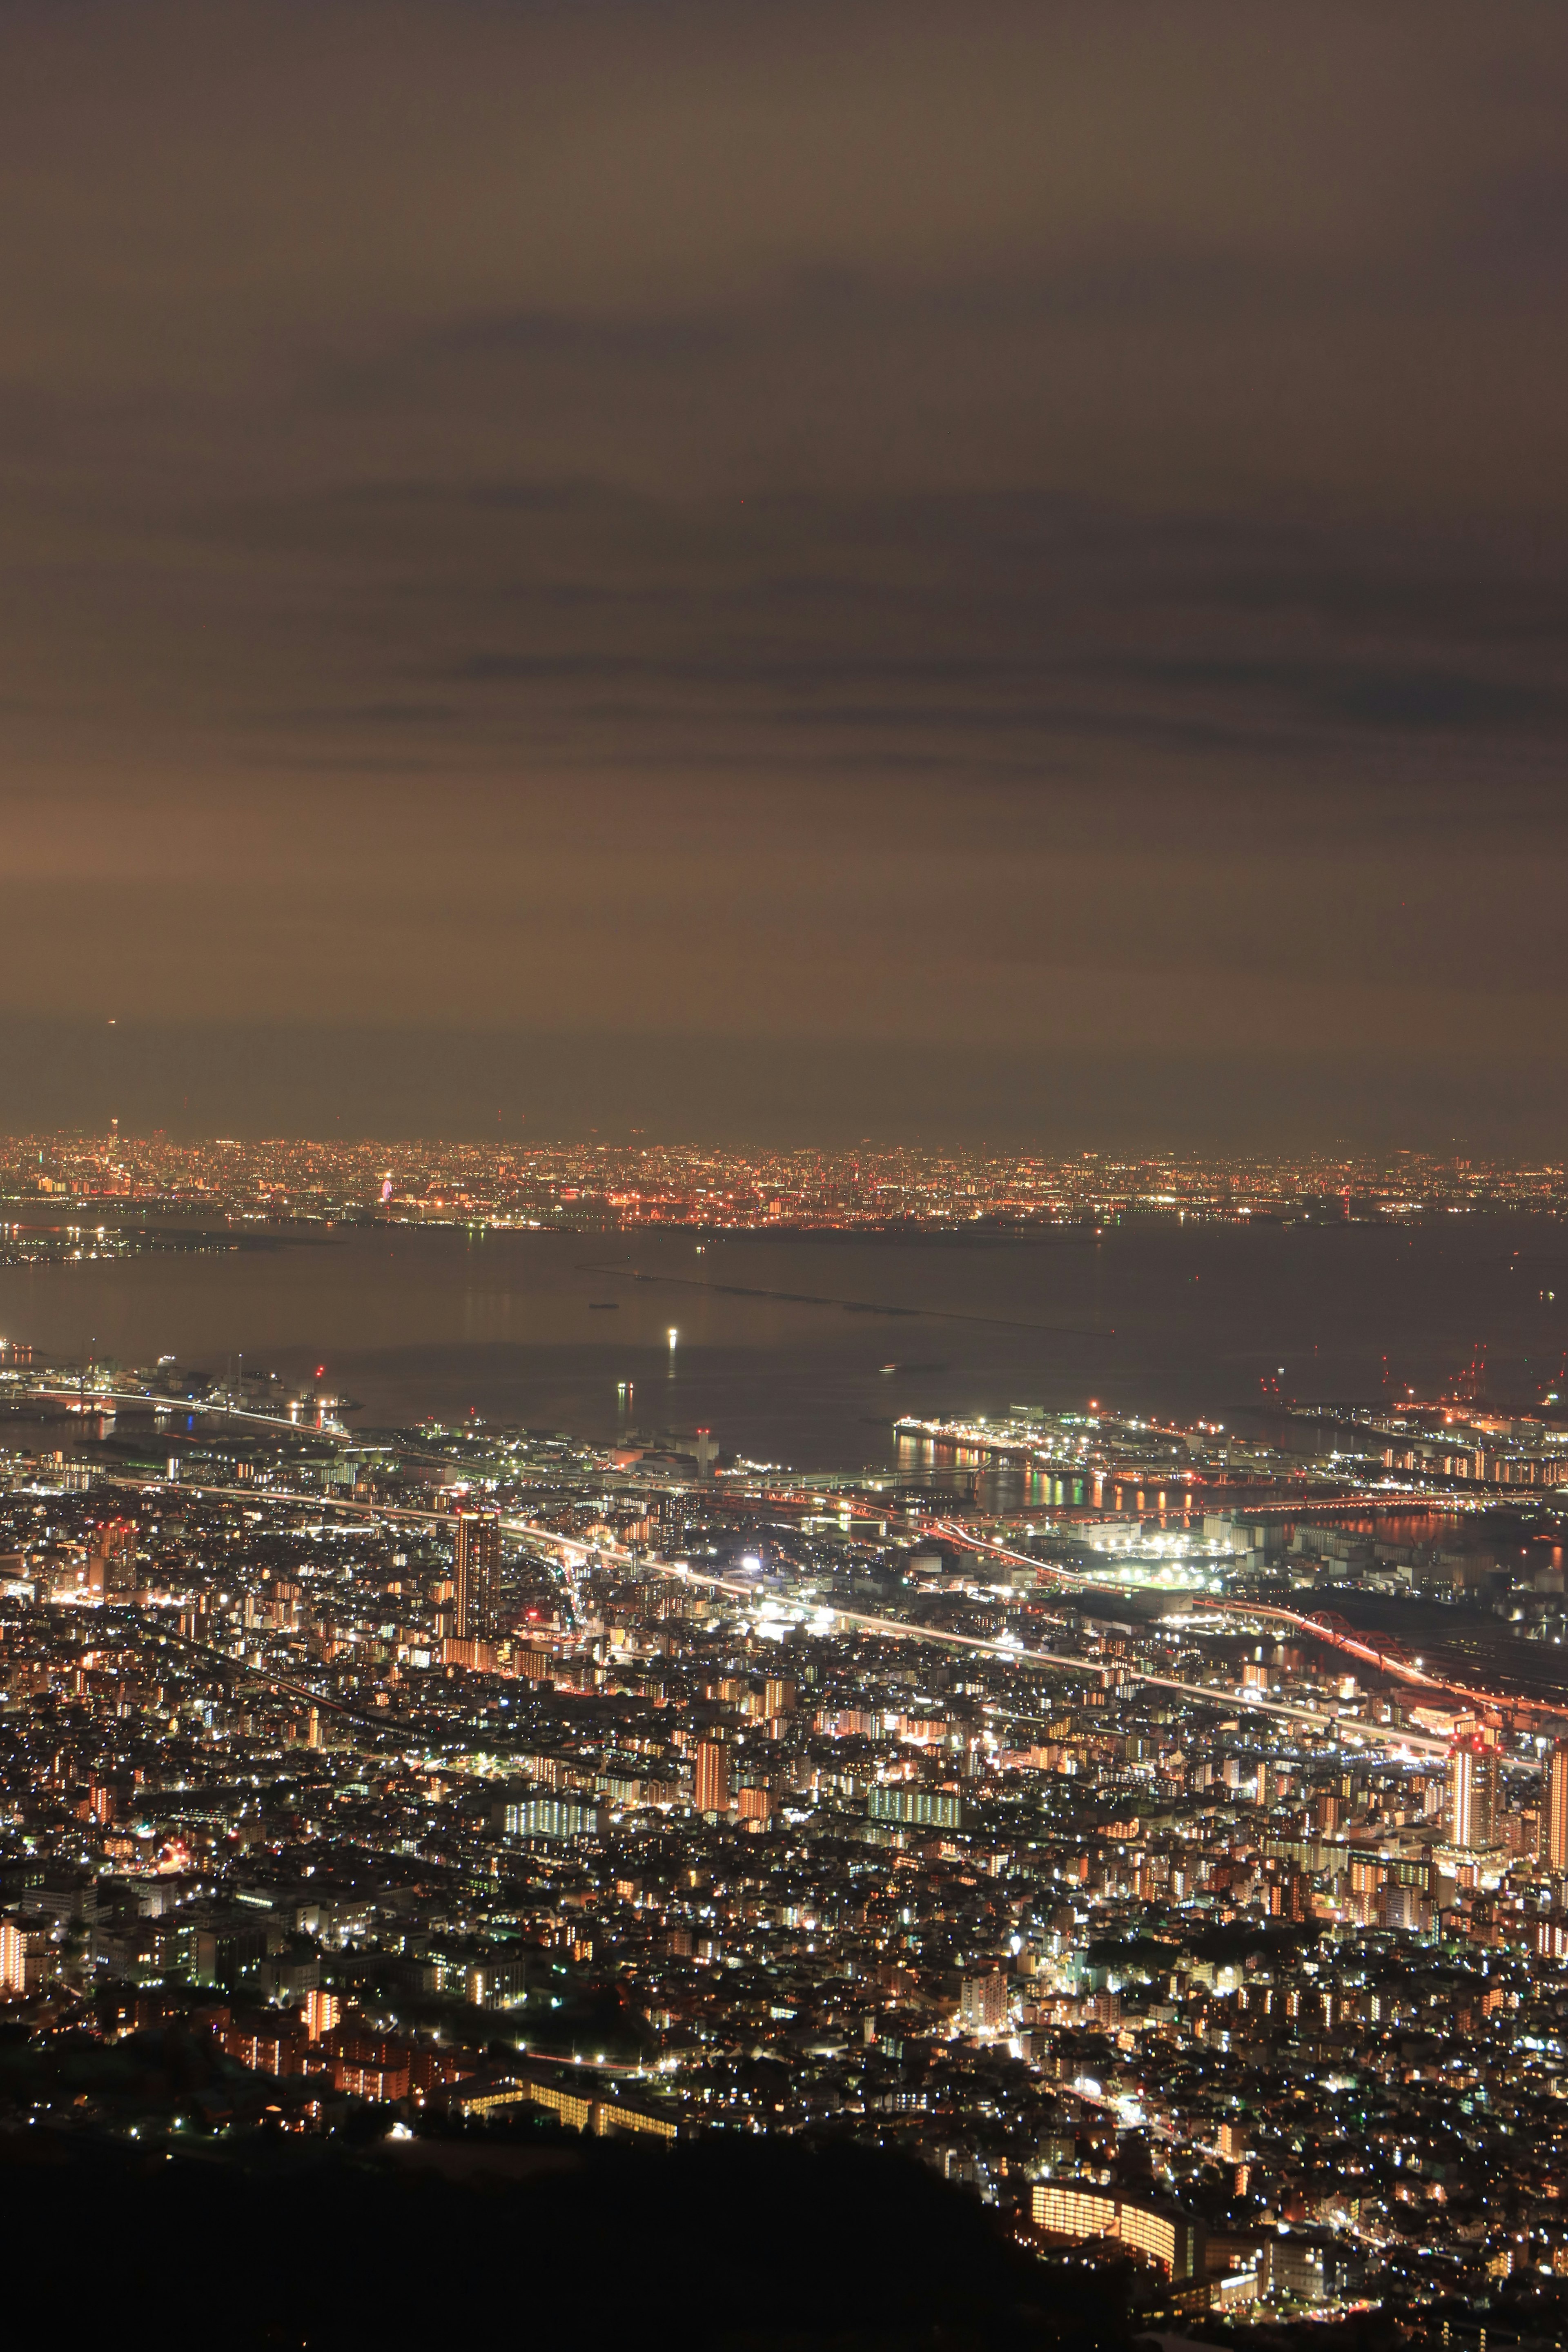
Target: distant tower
[1473, 1793]
[1557, 1807]
[705, 1449]
[477, 1608]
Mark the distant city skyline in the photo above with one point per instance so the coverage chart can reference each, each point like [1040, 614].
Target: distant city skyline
[601, 1183]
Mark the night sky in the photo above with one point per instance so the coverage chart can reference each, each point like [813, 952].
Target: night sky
[783, 571]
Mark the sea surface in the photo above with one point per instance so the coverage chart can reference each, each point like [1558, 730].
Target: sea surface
[803, 1351]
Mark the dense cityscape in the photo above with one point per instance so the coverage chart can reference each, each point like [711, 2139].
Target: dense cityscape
[784, 1175]
[426, 1786]
[594, 1186]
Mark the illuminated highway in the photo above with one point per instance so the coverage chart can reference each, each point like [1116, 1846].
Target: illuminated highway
[1337, 1635]
[1391, 1661]
[573, 1550]
[900, 1629]
[1228, 1698]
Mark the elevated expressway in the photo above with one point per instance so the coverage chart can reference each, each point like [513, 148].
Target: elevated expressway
[1390, 1658]
[573, 1552]
[1226, 1697]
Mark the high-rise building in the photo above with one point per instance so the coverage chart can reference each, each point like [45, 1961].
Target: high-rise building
[476, 1603]
[711, 1776]
[111, 1562]
[322, 2011]
[1555, 1824]
[1290, 1896]
[1407, 1909]
[983, 2002]
[1473, 1792]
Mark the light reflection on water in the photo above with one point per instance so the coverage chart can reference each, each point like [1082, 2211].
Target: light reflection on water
[517, 1328]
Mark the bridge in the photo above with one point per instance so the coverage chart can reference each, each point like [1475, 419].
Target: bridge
[86, 1400]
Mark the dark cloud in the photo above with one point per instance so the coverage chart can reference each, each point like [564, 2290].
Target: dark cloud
[851, 531]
